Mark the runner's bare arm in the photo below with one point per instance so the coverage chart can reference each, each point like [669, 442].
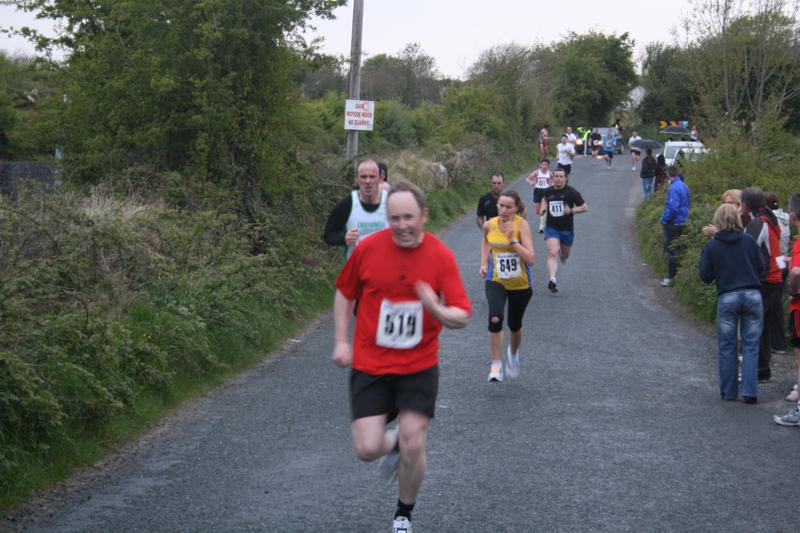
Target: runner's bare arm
[579, 209]
[484, 251]
[450, 316]
[342, 311]
[531, 178]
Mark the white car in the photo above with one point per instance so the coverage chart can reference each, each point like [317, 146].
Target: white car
[691, 150]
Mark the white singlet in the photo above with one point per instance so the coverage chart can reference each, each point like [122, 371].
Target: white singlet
[364, 221]
[543, 179]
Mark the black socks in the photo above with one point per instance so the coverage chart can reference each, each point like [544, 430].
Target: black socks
[404, 509]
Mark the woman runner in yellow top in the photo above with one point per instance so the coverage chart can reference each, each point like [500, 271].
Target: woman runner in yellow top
[506, 258]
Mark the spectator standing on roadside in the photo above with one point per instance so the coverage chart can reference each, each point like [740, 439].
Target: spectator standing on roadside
[360, 213]
[676, 211]
[648, 173]
[792, 418]
[731, 197]
[763, 228]
[735, 262]
[661, 172]
[487, 204]
[586, 135]
[777, 337]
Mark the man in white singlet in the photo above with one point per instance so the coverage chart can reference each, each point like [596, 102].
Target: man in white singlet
[360, 213]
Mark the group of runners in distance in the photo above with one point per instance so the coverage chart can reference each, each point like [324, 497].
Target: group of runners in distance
[403, 285]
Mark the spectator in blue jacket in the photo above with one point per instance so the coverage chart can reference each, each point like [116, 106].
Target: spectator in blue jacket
[735, 261]
[676, 211]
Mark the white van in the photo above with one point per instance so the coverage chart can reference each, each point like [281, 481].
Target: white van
[690, 149]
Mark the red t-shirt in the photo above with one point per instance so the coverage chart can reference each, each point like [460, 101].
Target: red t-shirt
[381, 276]
[794, 303]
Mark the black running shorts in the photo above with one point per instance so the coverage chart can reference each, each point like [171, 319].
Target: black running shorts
[388, 394]
[794, 328]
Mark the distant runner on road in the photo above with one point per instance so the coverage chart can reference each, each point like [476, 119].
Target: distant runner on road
[544, 142]
[609, 143]
[408, 286]
[562, 202]
[635, 152]
[506, 260]
[566, 151]
[360, 213]
[595, 140]
[540, 179]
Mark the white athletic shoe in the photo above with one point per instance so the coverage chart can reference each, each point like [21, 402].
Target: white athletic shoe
[401, 524]
[666, 282]
[512, 364]
[496, 371]
[633, 168]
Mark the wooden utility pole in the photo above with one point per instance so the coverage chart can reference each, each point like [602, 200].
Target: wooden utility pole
[354, 91]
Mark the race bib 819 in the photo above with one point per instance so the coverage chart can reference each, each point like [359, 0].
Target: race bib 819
[399, 325]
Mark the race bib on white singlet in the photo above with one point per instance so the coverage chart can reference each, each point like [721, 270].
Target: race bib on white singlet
[508, 265]
[399, 325]
[556, 208]
[542, 182]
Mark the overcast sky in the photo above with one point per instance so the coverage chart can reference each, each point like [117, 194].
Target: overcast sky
[455, 32]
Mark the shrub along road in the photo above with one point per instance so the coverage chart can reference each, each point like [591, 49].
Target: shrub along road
[615, 423]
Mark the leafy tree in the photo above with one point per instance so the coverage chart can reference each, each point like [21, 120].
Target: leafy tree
[594, 74]
[410, 77]
[206, 88]
[514, 72]
[746, 65]
[666, 79]
[324, 75]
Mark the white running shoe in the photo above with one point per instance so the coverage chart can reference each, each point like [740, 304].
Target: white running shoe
[512, 364]
[496, 371]
[401, 524]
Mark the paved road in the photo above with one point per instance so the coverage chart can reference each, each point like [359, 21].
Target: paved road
[614, 425]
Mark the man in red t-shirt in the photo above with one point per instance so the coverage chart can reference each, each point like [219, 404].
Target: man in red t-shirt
[408, 286]
[792, 418]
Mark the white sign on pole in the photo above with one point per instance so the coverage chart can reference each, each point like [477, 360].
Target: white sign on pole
[359, 115]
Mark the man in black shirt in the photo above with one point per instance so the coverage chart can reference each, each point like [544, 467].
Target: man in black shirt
[487, 205]
[562, 202]
[595, 140]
